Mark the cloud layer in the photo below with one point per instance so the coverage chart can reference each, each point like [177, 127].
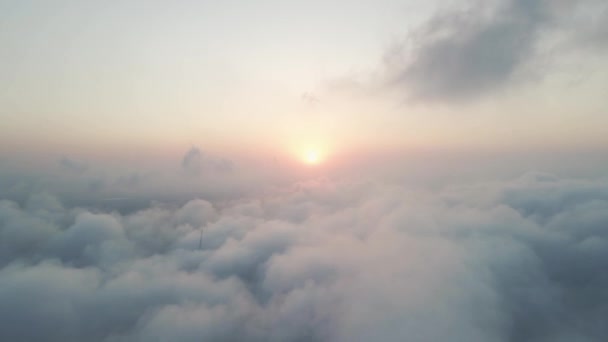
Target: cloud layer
[522, 260]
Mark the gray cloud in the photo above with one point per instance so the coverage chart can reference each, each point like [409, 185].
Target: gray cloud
[192, 160]
[595, 33]
[520, 260]
[72, 165]
[196, 162]
[460, 55]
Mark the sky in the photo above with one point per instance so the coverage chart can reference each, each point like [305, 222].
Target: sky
[83, 76]
[387, 170]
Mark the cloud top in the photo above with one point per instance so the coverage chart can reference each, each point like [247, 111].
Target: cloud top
[319, 261]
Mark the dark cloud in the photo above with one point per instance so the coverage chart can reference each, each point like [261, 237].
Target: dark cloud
[521, 260]
[460, 55]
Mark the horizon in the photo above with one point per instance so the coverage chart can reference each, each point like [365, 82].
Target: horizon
[271, 170]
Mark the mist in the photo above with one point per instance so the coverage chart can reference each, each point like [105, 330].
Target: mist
[331, 256]
[304, 171]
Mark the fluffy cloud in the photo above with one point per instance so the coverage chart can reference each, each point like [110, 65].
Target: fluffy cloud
[522, 260]
[459, 55]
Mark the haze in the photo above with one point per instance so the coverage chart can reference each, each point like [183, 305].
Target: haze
[387, 170]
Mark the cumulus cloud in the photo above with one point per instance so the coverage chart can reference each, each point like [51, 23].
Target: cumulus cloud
[321, 260]
[460, 55]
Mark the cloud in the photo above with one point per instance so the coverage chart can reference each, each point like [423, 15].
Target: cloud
[191, 162]
[310, 99]
[462, 55]
[195, 162]
[519, 260]
[594, 34]
[72, 165]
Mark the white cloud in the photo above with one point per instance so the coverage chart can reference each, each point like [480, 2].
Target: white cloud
[318, 261]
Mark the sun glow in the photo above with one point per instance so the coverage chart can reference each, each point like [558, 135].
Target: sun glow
[311, 154]
[312, 157]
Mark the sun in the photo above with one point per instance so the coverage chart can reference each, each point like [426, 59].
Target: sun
[312, 157]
